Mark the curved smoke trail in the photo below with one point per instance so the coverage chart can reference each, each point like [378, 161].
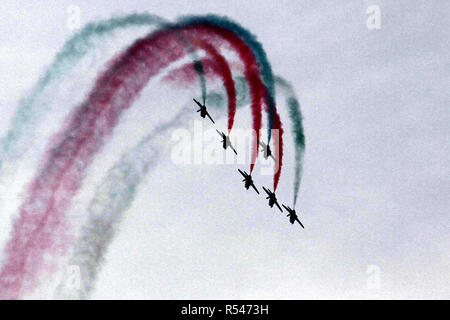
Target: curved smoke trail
[39, 228]
[257, 50]
[116, 192]
[32, 107]
[216, 34]
[296, 118]
[221, 67]
[42, 213]
[113, 196]
[185, 72]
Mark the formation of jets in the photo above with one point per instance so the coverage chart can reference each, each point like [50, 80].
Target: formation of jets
[226, 143]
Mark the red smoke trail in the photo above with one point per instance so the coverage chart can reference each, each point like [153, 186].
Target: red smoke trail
[278, 144]
[41, 215]
[186, 75]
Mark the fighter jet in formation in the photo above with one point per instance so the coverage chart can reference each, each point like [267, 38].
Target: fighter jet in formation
[248, 180]
[266, 150]
[203, 111]
[272, 198]
[226, 141]
[292, 216]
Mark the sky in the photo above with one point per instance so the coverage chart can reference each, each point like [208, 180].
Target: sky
[374, 197]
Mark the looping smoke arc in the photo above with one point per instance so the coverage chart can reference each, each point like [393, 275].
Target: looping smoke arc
[40, 228]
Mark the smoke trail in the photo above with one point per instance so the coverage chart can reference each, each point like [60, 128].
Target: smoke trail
[31, 108]
[117, 191]
[198, 67]
[201, 73]
[256, 48]
[41, 215]
[185, 72]
[184, 75]
[220, 64]
[278, 143]
[211, 28]
[217, 35]
[297, 130]
[110, 202]
[114, 195]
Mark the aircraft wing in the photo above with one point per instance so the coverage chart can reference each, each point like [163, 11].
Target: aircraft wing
[233, 149]
[255, 188]
[300, 223]
[209, 117]
[279, 206]
[272, 157]
[267, 191]
[198, 103]
[245, 176]
[286, 207]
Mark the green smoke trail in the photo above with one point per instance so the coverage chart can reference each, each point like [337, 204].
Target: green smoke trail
[200, 72]
[199, 68]
[296, 118]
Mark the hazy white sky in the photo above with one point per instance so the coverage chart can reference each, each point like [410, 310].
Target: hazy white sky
[375, 189]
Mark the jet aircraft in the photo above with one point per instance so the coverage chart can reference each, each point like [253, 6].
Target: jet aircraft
[272, 198]
[248, 180]
[266, 150]
[203, 111]
[292, 216]
[226, 141]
